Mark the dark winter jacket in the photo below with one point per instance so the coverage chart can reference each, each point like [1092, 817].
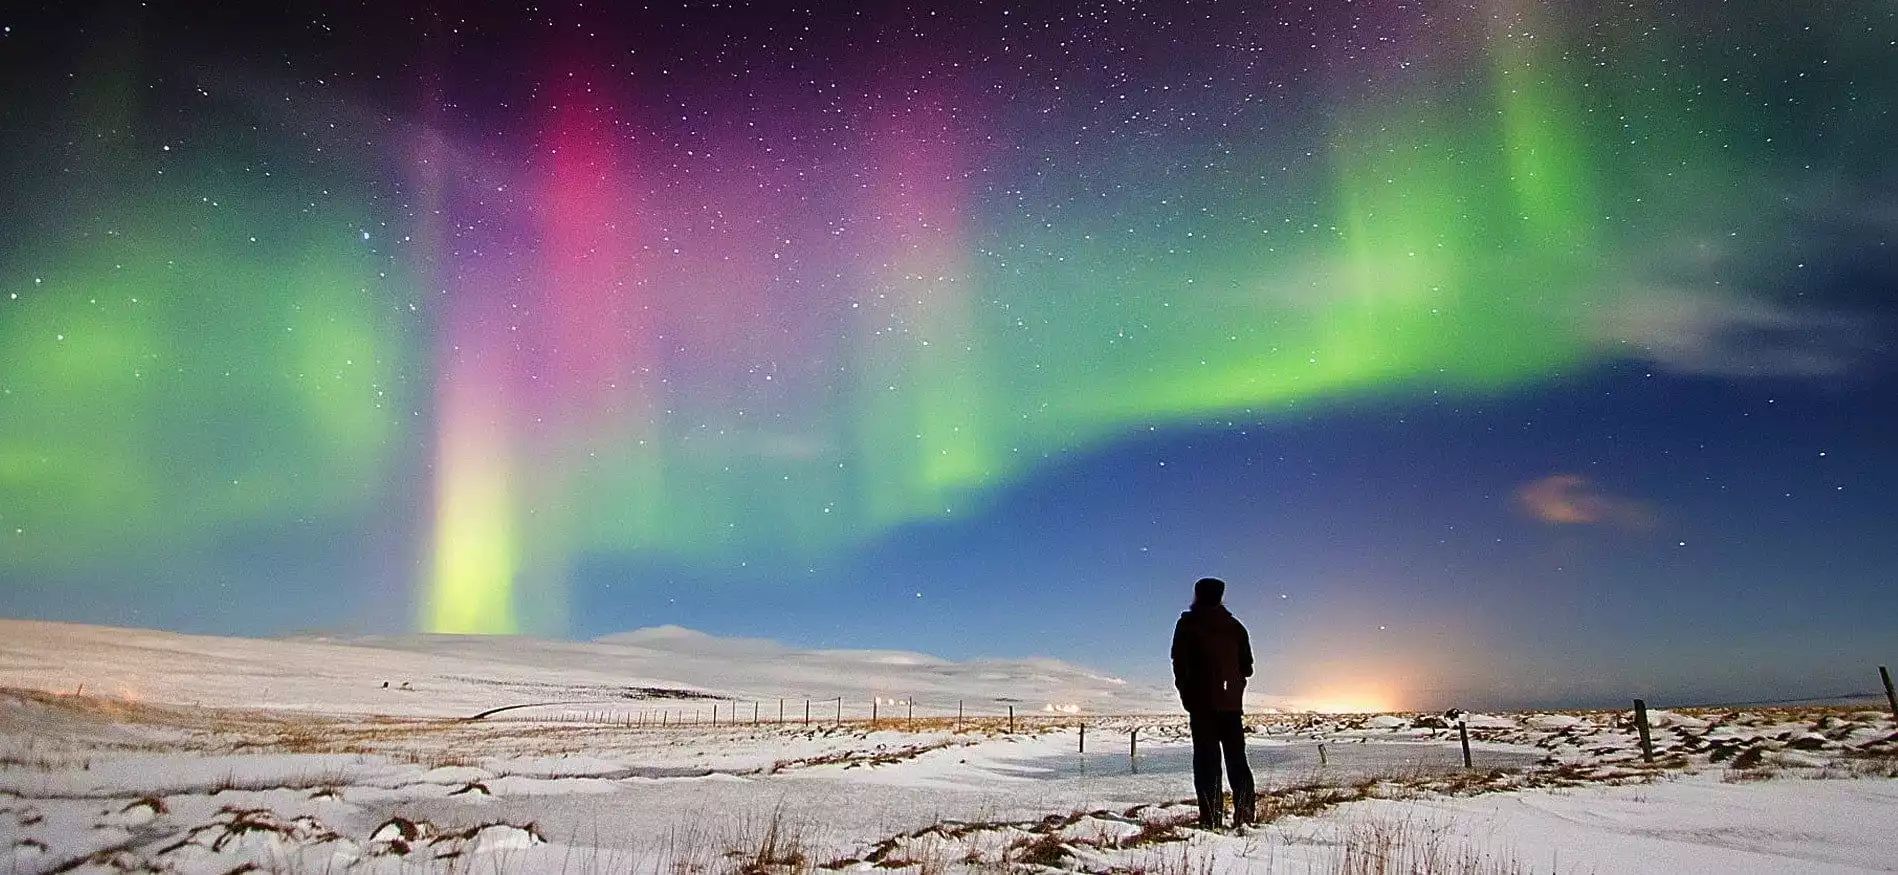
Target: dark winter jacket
[1212, 657]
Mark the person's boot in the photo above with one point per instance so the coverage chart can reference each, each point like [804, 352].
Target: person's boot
[1211, 815]
[1242, 810]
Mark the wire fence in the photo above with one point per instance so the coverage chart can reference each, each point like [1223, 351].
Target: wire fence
[788, 711]
[991, 716]
[1842, 699]
[909, 711]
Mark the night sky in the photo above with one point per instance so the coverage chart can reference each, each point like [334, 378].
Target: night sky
[1496, 352]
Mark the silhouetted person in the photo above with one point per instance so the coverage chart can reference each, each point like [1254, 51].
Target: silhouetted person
[1212, 657]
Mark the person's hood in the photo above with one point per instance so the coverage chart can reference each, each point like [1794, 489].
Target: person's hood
[1205, 611]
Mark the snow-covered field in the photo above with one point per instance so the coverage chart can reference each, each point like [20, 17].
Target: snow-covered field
[131, 750]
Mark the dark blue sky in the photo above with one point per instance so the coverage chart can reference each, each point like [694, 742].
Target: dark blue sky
[1390, 538]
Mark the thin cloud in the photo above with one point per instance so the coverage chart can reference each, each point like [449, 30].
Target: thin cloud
[1703, 333]
[1700, 302]
[1570, 499]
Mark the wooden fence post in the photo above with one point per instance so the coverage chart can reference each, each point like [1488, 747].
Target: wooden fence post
[958, 715]
[1641, 726]
[1323, 760]
[873, 712]
[1133, 751]
[1011, 720]
[1463, 731]
[911, 702]
[780, 709]
[840, 711]
[807, 712]
[1890, 696]
[1084, 737]
[754, 713]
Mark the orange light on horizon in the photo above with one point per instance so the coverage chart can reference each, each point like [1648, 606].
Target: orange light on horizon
[1347, 700]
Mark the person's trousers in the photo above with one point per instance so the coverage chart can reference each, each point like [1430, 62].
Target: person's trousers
[1217, 735]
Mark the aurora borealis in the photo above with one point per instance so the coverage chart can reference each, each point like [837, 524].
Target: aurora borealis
[801, 322]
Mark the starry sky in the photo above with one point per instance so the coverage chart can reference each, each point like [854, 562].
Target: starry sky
[1497, 352]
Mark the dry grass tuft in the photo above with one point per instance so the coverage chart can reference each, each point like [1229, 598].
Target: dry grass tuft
[1159, 831]
[1753, 774]
[1177, 859]
[1405, 846]
[779, 849]
[1045, 849]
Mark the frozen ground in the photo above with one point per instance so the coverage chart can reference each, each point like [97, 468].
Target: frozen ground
[212, 755]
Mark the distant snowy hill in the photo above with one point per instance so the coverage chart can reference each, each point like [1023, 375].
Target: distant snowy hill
[458, 675]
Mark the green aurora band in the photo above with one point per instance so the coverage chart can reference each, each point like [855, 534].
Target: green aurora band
[180, 368]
